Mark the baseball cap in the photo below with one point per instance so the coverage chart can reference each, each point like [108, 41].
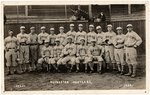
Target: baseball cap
[71, 25]
[69, 37]
[22, 27]
[80, 25]
[57, 40]
[32, 28]
[43, 27]
[61, 27]
[91, 25]
[93, 40]
[52, 29]
[46, 41]
[82, 39]
[119, 28]
[109, 25]
[129, 25]
[98, 27]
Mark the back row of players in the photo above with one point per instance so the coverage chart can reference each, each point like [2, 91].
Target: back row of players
[71, 49]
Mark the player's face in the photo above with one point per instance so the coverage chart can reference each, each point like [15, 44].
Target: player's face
[46, 44]
[42, 30]
[10, 33]
[129, 29]
[32, 30]
[61, 30]
[51, 31]
[57, 43]
[93, 43]
[82, 42]
[91, 28]
[69, 40]
[71, 28]
[80, 28]
[109, 28]
[22, 30]
[119, 31]
[99, 30]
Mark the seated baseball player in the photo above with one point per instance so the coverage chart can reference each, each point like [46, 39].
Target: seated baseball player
[69, 53]
[58, 54]
[47, 53]
[119, 50]
[81, 54]
[95, 53]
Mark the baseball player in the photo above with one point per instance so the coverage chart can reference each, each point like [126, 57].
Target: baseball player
[23, 39]
[132, 41]
[95, 52]
[69, 52]
[119, 50]
[80, 34]
[11, 47]
[62, 36]
[72, 33]
[33, 42]
[91, 35]
[109, 48]
[100, 36]
[81, 54]
[47, 54]
[58, 55]
[42, 37]
[52, 37]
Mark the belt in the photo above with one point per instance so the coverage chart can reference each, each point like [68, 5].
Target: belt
[119, 48]
[23, 43]
[109, 44]
[11, 48]
[129, 46]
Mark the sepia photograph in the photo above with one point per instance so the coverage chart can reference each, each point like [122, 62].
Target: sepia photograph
[77, 47]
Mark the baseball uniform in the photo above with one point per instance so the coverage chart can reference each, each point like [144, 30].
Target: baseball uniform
[23, 39]
[80, 35]
[62, 38]
[91, 36]
[33, 41]
[11, 45]
[52, 38]
[72, 34]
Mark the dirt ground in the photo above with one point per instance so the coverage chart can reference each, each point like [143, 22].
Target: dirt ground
[76, 81]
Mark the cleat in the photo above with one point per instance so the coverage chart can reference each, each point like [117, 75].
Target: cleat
[128, 74]
[133, 76]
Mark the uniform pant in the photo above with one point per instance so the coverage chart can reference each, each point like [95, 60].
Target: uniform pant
[70, 59]
[95, 58]
[131, 55]
[40, 49]
[81, 58]
[33, 53]
[11, 57]
[24, 54]
[119, 56]
[109, 54]
[56, 60]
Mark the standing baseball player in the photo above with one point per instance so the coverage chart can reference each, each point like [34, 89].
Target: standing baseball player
[119, 50]
[109, 48]
[95, 53]
[80, 34]
[42, 37]
[11, 47]
[81, 54]
[132, 41]
[62, 36]
[52, 37]
[47, 54]
[91, 35]
[33, 42]
[23, 39]
[58, 55]
[69, 53]
[100, 36]
[72, 33]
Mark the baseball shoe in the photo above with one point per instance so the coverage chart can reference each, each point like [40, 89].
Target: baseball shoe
[128, 74]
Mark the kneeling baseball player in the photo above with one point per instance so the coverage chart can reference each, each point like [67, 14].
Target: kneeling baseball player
[81, 54]
[47, 53]
[69, 52]
[95, 53]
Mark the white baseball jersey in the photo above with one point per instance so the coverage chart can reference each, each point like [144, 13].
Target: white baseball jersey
[80, 35]
[91, 36]
[42, 37]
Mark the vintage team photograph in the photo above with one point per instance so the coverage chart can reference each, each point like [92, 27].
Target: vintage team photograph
[74, 47]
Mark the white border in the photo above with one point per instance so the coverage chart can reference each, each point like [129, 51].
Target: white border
[75, 2]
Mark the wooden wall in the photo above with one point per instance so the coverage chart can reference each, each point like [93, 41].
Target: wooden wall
[139, 27]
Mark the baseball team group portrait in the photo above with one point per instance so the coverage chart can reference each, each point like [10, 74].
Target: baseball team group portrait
[74, 47]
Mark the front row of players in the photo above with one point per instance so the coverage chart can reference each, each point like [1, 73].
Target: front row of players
[111, 51]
